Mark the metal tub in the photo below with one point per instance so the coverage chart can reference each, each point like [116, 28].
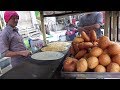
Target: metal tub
[90, 75]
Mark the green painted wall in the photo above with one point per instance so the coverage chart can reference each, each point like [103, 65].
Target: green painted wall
[37, 15]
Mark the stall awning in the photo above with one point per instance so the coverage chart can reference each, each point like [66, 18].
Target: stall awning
[60, 13]
[54, 14]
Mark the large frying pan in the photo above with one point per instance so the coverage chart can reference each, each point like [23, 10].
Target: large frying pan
[46, 57]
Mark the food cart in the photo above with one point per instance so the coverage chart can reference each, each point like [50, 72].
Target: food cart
[54, 69]
[112, 31]
[35, 69]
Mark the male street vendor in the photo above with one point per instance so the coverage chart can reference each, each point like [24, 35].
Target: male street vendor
[91, 21]
[11, 42]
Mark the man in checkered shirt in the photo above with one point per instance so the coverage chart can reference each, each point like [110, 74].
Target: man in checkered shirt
[11, 42]
[91, 21]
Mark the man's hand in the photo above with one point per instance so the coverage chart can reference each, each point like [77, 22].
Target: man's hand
[24, 53]
[92, 27]
[85, 30]
[81, 29]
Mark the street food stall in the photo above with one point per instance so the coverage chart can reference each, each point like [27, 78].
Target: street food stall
[41, 66]
[57, 60]
[94, 63]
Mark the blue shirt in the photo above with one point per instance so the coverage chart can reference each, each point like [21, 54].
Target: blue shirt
[90, 19]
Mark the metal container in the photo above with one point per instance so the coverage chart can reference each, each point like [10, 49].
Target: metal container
[90, 75]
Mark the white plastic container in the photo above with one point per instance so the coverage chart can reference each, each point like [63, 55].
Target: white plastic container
[36, 44]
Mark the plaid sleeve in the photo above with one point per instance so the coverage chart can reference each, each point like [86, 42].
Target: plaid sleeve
[4, 43]
[99, 19]
[81, 22]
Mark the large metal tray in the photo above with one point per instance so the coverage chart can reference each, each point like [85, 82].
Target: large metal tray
[90, 75]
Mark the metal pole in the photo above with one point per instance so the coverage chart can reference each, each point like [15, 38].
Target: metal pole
[117, 25]
[110, 25]
[42, 27]
[107, 20]
[114, 26]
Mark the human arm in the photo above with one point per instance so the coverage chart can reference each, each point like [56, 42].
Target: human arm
[17, 53]
[81, 25]
[92, 27]
[97, 23]
[5, 45]
[80, 29]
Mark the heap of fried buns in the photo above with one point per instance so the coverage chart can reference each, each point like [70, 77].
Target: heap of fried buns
[89, 54]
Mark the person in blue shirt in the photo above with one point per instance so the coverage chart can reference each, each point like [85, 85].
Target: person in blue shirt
[91, 21]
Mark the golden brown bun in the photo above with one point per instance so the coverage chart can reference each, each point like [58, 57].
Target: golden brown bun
[85, 45]
[96, 51]
[82, 65]
[92, 62]
[100, 68]
[69, 59]
[69, 64]
[104, 59]
[97, 40]
[78, 40]
[105, 51]
[85, 36]
[114, 49]
[95, 44]
[116, 59]
[104, 42]
[80, 54]
[113, 67]
[93, 36]
[88, 45]
[76, 47]
[72, 51]
[112, 42]
[87, 55]
[81, 46]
